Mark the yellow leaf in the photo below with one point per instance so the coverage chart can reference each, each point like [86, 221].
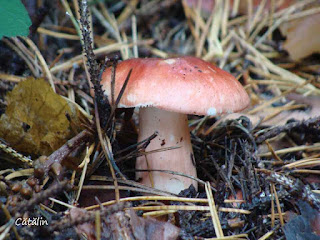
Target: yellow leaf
[35, 120]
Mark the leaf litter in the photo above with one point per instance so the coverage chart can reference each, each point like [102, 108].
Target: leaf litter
[255, 168]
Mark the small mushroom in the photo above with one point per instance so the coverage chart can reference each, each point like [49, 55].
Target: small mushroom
[166, 90]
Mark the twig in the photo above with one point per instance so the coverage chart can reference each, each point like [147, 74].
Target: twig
[296, 187]
[277, 130]
[40, 197]
[9, 217]
[88, 217]
[93, 67]
[67, 148]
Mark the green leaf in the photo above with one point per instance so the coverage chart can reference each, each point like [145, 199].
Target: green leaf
[14, 19]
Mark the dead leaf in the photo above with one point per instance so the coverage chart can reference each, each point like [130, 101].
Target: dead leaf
[304, 226]
[313, 103]
[126, 225]
[303, 36]
[88, 229]
[35, 120]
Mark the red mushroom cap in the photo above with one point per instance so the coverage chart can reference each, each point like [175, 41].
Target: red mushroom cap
[186, 84]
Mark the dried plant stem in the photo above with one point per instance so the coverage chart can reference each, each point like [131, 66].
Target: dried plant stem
[84, 167]
[134, 36]
[154, 198]
[99, 51]
[107, 153]
[40, 197]
[273, 100]
[213, 212]
[23, 55]
[43, 63]
[242, 236]
[314, 147]
[58, 34]
[304, 13]
[61, 153]
[278, 204]
[126, 12]
[13, 153]
[273, 68]
[73, 19]
[267, 235]
[272, 206]
[275, 131]
[313, 162]
[9, 217]
[88, 217]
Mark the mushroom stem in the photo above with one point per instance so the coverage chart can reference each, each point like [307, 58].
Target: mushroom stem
[173, 132]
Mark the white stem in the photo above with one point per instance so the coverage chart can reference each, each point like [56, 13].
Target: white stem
[173, 132]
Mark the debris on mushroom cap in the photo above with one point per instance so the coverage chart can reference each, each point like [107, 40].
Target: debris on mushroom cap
[187, 85]
[303, 36]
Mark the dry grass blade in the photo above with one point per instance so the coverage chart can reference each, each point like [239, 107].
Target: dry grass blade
[98, 52]
[234, 210]
[272, 206]
[70, 14]
[278, 204]
[58, 34]
[84, 166]
[134, 36]
[108, 153]
[152, 198]
[274, 155]
[158, 213]
[136, 186]
[98, 225]
[273, 100]
[274, 68]
[23, 55]
[10, 223]
[306, 171]
[233, 237]
[303, 163]
[127, 188]
[172, 207]
[213, 212]
[61, 203]
[21, 173]
[6, 229]
[12, 78]
[267, 235]
[123, 88]
[45, 68]
[127, 11]
[309, 148]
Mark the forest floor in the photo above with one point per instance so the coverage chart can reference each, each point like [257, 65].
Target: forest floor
[68, 159]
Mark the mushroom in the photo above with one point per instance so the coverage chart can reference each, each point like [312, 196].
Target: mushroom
[166, 90]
